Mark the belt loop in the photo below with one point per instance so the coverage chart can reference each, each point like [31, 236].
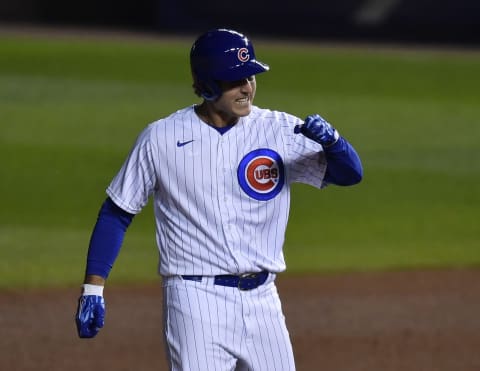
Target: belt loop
[192, 278]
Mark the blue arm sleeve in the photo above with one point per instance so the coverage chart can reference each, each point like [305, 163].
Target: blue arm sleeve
[107, 238]
[344, 167]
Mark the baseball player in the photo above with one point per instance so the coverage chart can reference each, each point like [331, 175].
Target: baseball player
[219, 173]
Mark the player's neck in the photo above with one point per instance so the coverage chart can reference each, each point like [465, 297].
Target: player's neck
[214, 118]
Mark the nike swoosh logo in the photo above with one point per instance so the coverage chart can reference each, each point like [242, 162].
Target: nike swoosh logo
[181, 144]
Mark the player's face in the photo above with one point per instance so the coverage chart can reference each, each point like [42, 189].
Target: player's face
[236, 99]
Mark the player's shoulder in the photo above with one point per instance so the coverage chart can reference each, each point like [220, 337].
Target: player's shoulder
[159, 129]
[172, 122]
[177, 117]
[271, 116]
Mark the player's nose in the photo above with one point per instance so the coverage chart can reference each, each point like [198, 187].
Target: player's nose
[247, 86]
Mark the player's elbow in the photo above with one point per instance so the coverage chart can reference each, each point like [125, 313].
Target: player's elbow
[349, 176]
[356, 173]
[352, 179]
[357, 176]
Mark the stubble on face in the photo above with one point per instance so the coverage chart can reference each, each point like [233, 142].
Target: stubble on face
[235, 102]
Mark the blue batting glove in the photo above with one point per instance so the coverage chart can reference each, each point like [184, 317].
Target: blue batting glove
[319, 130]
[90, 315]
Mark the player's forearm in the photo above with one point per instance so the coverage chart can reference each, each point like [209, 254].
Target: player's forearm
[344, 166]
[106, 241]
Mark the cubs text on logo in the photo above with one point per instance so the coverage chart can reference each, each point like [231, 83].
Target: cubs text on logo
[261, 174]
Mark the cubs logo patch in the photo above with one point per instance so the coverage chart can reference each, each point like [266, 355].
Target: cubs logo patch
[243, 55]
[261, 174]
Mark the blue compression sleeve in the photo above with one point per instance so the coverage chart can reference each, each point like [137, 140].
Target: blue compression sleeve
[344, 167]
[107, 238]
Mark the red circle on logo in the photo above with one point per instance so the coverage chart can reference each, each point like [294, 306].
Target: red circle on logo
[262, 174]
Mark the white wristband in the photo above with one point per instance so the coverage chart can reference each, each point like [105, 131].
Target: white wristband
[89, 289]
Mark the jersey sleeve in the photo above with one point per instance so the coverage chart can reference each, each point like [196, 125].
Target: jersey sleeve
[131, 188]
[306, 162]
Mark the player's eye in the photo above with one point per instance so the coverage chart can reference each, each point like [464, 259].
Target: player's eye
[226, 85]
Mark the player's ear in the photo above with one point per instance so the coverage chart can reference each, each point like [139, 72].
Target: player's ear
[208, 90]
[203, 89]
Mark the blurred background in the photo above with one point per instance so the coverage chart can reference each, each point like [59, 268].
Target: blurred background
[71, 107]
[433, 21]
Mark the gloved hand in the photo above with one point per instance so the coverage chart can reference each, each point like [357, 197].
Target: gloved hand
[90, 315]
[319, 130]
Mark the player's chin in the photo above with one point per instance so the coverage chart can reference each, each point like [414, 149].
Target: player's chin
[242, 108]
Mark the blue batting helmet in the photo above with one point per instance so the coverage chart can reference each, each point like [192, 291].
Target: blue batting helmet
[222, 55]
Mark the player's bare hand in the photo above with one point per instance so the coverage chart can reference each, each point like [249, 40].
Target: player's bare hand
[319, 130]
[90, 315]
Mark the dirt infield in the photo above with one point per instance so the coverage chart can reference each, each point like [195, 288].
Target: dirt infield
[415, 321]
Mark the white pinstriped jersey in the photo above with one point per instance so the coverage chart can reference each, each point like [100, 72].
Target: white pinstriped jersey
[221, 202]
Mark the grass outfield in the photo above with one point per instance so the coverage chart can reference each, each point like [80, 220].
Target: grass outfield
[70, 109]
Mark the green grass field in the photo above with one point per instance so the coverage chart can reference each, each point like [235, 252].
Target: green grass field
[71, 108]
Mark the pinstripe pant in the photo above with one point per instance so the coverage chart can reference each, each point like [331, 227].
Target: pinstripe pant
[211, 327]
